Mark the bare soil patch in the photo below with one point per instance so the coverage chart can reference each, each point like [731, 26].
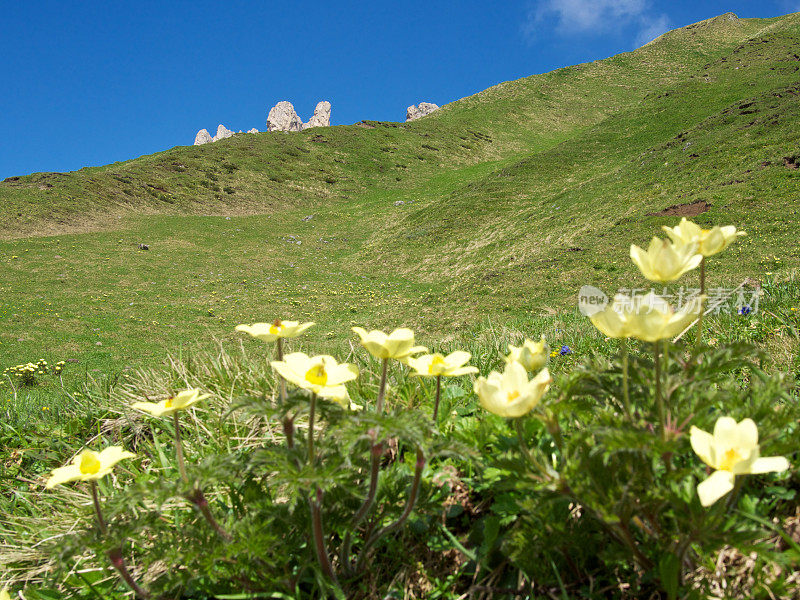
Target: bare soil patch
[691, 209]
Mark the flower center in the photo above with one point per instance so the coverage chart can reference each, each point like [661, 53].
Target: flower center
[89, 462]
[729, 459]
[168, 403]
[513, 395]
[317, 375]
[276, 328]
[437, 365]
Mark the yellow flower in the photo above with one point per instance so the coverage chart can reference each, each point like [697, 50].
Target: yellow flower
[89, 465]
[665, 261]
[531, 355]
[399, 344]
[510, 394]
[4, 594]
[434, 365]
[709, 241]
[654, 319]
[321, 375]
[612, 321]
[269, 332]
[732, 450]
[184, 399]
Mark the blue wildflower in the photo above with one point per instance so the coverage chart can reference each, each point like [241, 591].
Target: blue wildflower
[745, 310]
[565, 350]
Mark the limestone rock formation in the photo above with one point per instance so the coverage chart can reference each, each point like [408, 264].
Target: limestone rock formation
[282, 117]
[202, 137]
[423, 109]
[321, 116]
[253, 130]
[222, 133]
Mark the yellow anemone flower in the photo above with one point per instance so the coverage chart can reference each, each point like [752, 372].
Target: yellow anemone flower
[665, 261]
[531, 355]
[653, 318]
[510, 394]
[648, 318]
[269, 332]
[89, 465]
[732, 450]
[4, 594]
[321, 375]
[434, 365]
[612, 321]
[399, 344]
[184, 399]
[709, 241]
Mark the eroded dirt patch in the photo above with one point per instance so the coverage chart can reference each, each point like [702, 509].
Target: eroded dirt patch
[691, 209]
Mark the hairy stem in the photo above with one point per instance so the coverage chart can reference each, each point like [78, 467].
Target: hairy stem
[544, 474]
[410, 503]
[101, 522]
[376, 452]
[319, 536]
[115, 555]
[659, 398]
[179, 448]
[625, 385]
[438, 397]
[382, 387]
[288, 422]
[311, 415]
[196, 497]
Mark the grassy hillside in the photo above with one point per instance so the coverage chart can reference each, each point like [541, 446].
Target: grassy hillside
[498, 206]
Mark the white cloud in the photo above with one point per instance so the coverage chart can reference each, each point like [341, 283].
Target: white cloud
[651, 28]
[574, 17]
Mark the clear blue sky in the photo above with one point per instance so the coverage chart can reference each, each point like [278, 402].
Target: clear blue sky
[89, 83]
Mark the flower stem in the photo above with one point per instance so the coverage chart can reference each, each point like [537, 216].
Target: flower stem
[319, 536]
[311, 415]
[410, 503]
[698, 339]
[376, 452]
[523, 448]
[196, 497]
[281, 380]
[115, 555]
[179, 448]
[199, 500]
[659, 398]
[382, 387]
[438, 397]
[101, 522]
[625, 386]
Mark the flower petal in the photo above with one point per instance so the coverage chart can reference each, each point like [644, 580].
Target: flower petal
[702, 443]
[63, 475]
[769, 464]
[715, 487]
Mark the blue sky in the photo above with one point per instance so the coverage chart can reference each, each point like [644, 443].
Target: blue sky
[89, 83]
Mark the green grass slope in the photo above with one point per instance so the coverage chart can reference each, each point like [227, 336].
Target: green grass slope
[498, 206]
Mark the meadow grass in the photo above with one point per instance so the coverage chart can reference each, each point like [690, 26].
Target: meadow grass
[476, 226]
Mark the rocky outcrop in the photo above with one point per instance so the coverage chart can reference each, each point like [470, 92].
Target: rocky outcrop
[423, 109]
[202, 137]
[282, 117]
[222, 133]
[321, 116]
